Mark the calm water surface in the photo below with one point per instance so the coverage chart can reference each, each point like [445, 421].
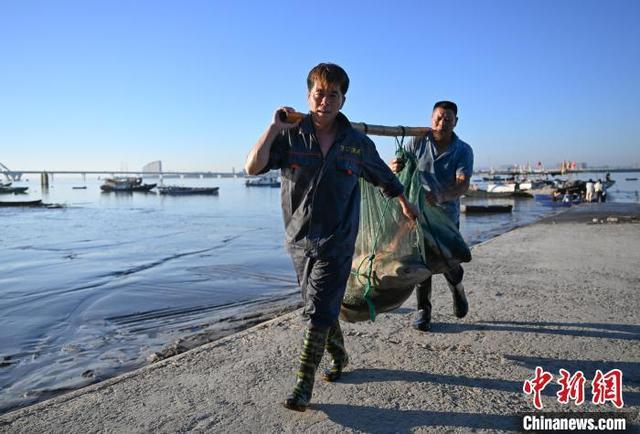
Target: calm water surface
[109, 279]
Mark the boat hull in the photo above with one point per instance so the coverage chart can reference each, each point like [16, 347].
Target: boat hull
[498, 194]
[486, 209]
[107, 188]
[13, 190]
[255, 184]
[188, 191]
[37, 202]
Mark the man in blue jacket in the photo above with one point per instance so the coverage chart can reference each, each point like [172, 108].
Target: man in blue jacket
[321, 159]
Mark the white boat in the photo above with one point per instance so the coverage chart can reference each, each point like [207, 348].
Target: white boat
[267, 180]
[501, 188]
[511, 186]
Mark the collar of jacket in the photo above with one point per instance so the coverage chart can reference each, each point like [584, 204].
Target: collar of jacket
[342, 124]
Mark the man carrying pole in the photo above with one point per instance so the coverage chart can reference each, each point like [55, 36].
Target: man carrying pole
[445, 164]
[321, 158]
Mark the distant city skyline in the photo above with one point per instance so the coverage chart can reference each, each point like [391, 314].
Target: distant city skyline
[583, 166]
[98, 85]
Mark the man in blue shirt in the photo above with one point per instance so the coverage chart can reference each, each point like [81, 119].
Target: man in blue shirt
[445, 164]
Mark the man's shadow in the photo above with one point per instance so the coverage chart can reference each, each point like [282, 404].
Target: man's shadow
[588, 367]
[578, 329]
[630, 370]
[382, 420]
[385, 420]
[627, 332]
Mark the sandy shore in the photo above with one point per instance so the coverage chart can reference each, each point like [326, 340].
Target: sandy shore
[560, 294]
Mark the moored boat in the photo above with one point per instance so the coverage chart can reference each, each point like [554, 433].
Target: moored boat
[263, 181]
[174, 190]
[485, 209]
[15, 203]
[478, 193]
[128, 184]
[8, 189]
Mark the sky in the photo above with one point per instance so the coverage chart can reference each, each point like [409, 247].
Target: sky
[112, 85]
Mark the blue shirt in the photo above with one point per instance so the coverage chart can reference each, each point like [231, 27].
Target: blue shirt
[438, 172]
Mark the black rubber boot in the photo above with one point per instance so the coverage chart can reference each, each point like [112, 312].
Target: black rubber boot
[460, 304]
[422, 319]
[312, 350]
[339, 356]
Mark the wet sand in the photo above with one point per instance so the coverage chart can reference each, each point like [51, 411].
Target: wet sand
[560, 294]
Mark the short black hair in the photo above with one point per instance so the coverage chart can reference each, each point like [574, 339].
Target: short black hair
[328, 73]
[447, 105]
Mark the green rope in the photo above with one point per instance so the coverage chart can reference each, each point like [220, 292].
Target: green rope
[368, 287]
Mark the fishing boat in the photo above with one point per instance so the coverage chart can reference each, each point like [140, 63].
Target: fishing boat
[631, 179]
[13, 190]
[486, 209]
[174, 190]
[263, 181]
[502, 187]
[16, 203]
[484, 194]
[125, 184]
[512, 186]
[579, 187]
[496, 178]
[7, 188]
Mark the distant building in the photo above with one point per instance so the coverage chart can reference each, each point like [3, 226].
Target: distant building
[153, 167]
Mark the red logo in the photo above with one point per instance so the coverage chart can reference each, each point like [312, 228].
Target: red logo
[536, 385]
[605, 387]
[608, 387]
[572, 387]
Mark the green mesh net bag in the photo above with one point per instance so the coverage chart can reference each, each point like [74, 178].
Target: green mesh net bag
[393, 254]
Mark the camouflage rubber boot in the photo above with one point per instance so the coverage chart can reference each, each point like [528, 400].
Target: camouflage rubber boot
[339, 356]
[422, 319]
[312, 351]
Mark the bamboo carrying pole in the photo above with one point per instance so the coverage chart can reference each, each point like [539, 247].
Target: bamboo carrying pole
[374, 130]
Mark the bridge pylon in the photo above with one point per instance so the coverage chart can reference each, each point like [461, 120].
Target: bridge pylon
[9, 174]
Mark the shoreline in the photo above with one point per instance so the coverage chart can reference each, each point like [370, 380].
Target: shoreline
[471, 369]
[232, 321]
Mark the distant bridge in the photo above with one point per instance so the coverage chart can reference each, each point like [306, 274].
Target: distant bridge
[16, 174]
[11, 174]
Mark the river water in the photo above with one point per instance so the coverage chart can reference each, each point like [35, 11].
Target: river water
[96, 287]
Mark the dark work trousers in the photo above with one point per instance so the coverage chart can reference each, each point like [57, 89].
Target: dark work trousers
[323, 282]
[453, 276]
